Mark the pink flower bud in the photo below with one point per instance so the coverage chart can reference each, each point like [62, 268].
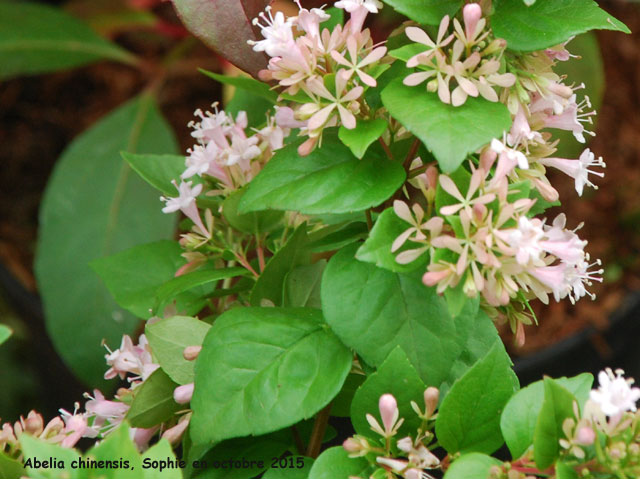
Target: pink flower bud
[183, 394]
[191, 352]
[413, 474]
[585, 436]
[34, 424]
[142, 436]
[472, 14]
[351, 445]
[487, 159]
[174, 434]
[520, 336]
[434, 277]
[432, 177]
[431, 398]
[388, 411]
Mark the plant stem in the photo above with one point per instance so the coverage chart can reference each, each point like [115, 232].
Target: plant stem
[386, 149]
[319, 428]
[411, 154]
[260, 252]
[298, 440]
[369, 220]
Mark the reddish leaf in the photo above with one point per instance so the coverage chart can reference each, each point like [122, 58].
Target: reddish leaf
[225, 26]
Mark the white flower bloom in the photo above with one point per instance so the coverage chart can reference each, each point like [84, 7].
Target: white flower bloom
[200, 159]
[187, 196]
[526, 240]
[350, 6]
[615, 394]
[578, 169]
[277, 32]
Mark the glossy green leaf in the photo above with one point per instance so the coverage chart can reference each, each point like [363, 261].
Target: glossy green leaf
[135, 275]
[169, 337]
[429, 12]
[270, 284]
[449, 132]
[341, 405]
[37, 450]
[249, 84]
[253, 223]
[548, 22]
[302, 286]
[397, 376]
[556, 407]
[336, 18]
[5, 333]
[335, 463]
[36, 38]
[116, 447]
[153, 403]
[335, 237]
[295, 467]
[518, 421]
[95, 206]
[564, 471]
[10, 468]
[256, 107]
[329, 180]
[469, 416]
[161, 451]
[360, 138]
[262, 369]
[225, 26]
[190, 285]
[373, 310]
[471, 466]
[158, 170]
[377, 248]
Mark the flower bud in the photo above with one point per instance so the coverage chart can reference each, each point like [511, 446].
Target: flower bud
[190, 353]
[34, 423]
[351, 445]
[405, 444]
[174, 434]
[413, 473]
[472, 13]
[388, 411]
[431, 398]
[183, 394]
[585, 436]
[495, 46]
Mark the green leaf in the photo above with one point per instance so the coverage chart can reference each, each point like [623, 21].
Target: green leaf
[518, 421]
[360, 138]
[397, 376]
[10, 468]
[336, 18]
[134, 276]
[161, 451]
[373, 310]
[290, 469]
[302, 286]
[450, 133]
[341, 405]
[246, 83]
[270, 284]
[225, 26]
[252, 223]
[335, 237]
[377, 248]
[169, 337]
[262, 369]
[181, 286]
[38, 450]
[548, 22]
[329, 180]
[95, 206]
[469, 417]
[157, 170]
[335, 463]
[153, 403]
[564, 471]
[429, 12]
[256, 107]
[556, 407]
[5, 333]
[117, 447]
[35, 38]
[471, 466]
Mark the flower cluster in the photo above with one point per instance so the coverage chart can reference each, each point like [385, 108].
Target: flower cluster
[323, 74]
[408, 457]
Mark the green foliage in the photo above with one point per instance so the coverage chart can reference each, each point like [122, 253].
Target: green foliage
[377, 247]
[556, 407]
[291, 469]
[450, 133]
[429, 12]
[134, 276]
[397, 376]
[161, 452]
[253, 223]
[169, 337]
[95, 206]
[117, 446]
[518, 421]
[5, 333]
[360, 138]
[373, 310]
[253, 86]
[302, 286]
[329, 180]
[35, 449]
[262, 369]
[469, 417]
[35, 38]
[335, 462]
[10, 468]
[471, 466]
[341, 405]
[548, 22]
[153, 403]
[158, 170]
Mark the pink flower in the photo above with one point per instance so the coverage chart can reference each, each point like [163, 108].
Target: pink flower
[578, 169]
[340, 102]
[309, 20]
[615, 394]
[358, 10]
[356, 66]
[183, 394]
[419, 36]
[186, 202]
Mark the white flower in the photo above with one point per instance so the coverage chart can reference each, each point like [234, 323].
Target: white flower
[350, 6]
[578, 169]
[200, 159]
[526, 239]
[186, 197]
[309, 20]
[615, 394]
[277, 32]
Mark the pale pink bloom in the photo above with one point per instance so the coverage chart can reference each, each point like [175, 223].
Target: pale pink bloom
[389, 413]
[285, 118]
[564, 244]
[356, 66]
[174, 434]
[356, 446]
[309, 20]
[554, 278]
[107, 414]
[76, 427]
[559, 52]
[358, 10]
[419, 36]
[321, 115]
[396, 465]
[486, 77]
[190, 353]
[585, 436]
[442, 274]
[186, 202]
[572, 118]
[465, 86]
[580, 275]
[615, 394]
[141, 436]
[415, 233]
[277, 32]
[200, 159]
[516, 157]
[132, 359]
[526, 240]
[521, 130]
[183, 394]
[242, 149]
[212, 126]
[441, 70]
[472, 13]
[578, 169]
[467, 201]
